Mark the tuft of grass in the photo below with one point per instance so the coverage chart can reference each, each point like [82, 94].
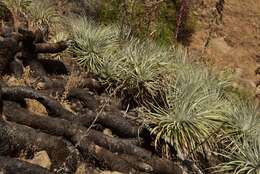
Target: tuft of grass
[18, 5]
[43, 12]
[244, 159]
[93, 45]
[130, 64]
[243, 118]
[195, 109]
[142, 65]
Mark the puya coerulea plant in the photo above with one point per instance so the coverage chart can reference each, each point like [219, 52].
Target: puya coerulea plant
[242, 158]
[42, 13]
[195, 109]
[130, 64]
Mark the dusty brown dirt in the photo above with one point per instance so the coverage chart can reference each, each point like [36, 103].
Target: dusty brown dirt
[231, 42]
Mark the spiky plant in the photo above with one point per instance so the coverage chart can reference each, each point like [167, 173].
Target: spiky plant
[129, 64]
[142, 67]
[43, 12]
[93, 45]
[194, 111]
[243, 119]
[243, 159]
[18, 5]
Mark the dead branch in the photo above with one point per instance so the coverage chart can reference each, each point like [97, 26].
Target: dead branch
[85, 96]
[54, 67]
[11, 166]
[53, 107]
[8, 47]
[50, 47]
[82, 137]
[16, 67]
[20, 137]
[103, 156]
[1, 102]
[113, 120]
[72, 131]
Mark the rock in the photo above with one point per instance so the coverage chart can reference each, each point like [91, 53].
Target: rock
[110, 172]
[257, 92]
[41, 86]
[42, 159]
[220, 45]
[238, 73]
[83, 169]
[108, 132]
[36, 107]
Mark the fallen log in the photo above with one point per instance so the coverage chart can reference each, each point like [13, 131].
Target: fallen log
[38, 71]
[112, 120]
[156, 164]
[82, 137]
[32, 43]
[150, 165]
[88, 149]
[115, 122]
[53, 107]
[72, 131]
[1, 102]
[105, 157]
[54, 67]
[8, 47]
[19, 137]
[12, 166]
[85, 96]
[16, 67]
[50, 47]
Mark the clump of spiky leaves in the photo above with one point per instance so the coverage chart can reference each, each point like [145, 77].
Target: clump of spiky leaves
[142, 67]
[93, 45]
[243, 158]
[18, 5]
[131, 65]
[243, 118]
[43, 12]
[194, 111]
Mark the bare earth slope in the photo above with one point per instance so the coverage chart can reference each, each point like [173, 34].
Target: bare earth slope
[234, 40]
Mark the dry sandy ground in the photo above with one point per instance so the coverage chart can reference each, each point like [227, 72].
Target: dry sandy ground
[233, 42]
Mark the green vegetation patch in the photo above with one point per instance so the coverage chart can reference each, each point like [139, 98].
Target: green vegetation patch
[195, 109]
[186, 106]
[150, 19]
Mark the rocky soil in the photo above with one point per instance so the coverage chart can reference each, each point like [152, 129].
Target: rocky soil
[229, 37]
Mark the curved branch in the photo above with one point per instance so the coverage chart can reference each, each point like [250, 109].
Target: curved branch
[53, 107]
[50, 47]
[82, 137]
[10, 166]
